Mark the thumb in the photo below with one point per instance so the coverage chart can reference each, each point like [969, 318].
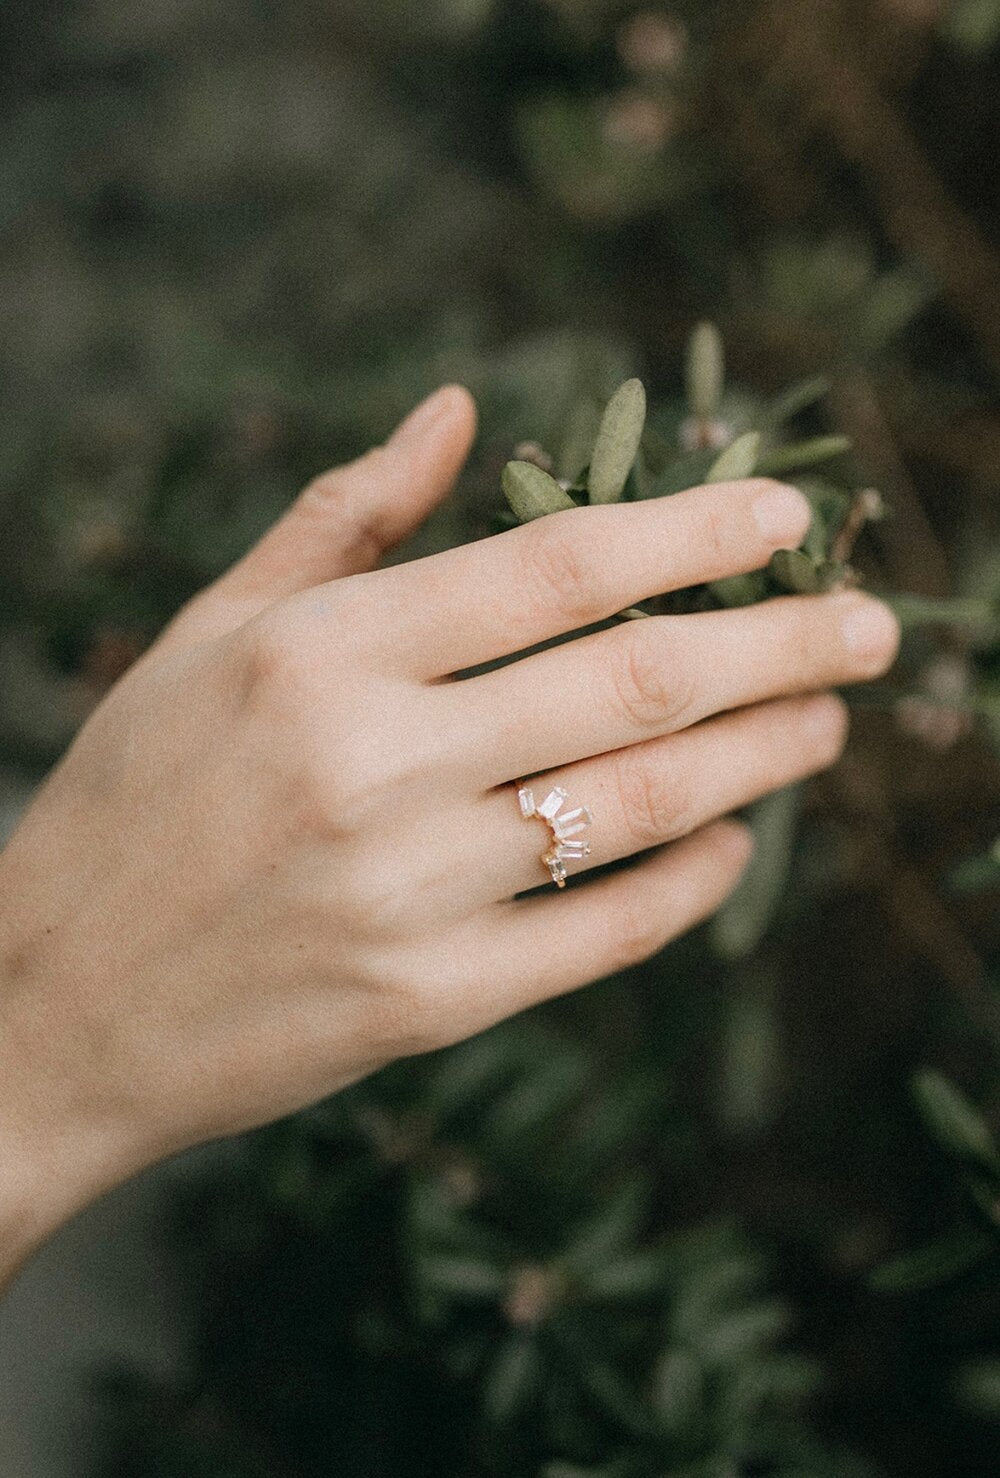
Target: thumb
[345, 520]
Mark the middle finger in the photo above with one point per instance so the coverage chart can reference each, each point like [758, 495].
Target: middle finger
[652, 677]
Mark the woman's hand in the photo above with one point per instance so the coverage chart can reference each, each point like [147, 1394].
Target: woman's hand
[286, 848]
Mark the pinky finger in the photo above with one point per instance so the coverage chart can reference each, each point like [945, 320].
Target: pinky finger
[554, 944]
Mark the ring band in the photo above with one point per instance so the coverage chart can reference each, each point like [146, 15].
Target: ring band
[563, 827]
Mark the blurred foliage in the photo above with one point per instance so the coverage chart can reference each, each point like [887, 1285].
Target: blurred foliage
[238, 241]
[498, 1295]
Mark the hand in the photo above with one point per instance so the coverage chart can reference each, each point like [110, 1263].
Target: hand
[286, 848]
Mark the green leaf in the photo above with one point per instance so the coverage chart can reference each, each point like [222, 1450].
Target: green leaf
[679, 1391]
[975, 873]
[891, 303]
[740, 590]
[622, 1279]
[831, 573]
[512, 1379]
[531, 492]
[617, 443]
[804, 574]
[713, 1290]
[973, 25]
[607, 1233]
[465, 1278]
[742, 921]
[536, 1098]
[738, 460]
[782, 459]
[706, 370]
[612, 1396]
[737, 1336]
[750, 1049]
[795, 571]
[927, 610]
[465, 1075]
[977, 1387]
[931, 1265]
[794, 400]
[955, 1122]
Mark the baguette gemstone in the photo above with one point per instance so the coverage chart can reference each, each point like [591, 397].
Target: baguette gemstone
[571, 849]
[564, 826]
[552, 802]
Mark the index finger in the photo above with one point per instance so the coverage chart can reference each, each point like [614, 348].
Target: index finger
[568, 570]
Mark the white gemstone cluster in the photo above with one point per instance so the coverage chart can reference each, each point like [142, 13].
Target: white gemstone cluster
[564, 826]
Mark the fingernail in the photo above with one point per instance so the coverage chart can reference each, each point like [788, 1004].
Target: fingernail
[782, 514]
[422, 417]
[870, 629]
[824, 717]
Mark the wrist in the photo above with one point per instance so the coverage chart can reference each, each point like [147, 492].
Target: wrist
[59, 1146]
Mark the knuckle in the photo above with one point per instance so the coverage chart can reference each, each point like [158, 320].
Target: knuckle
[328, 806]
[273, 657]
[654, 807]
[328, 775]
[644, 691]
[561, 572]
[335, 481]
[343, 793]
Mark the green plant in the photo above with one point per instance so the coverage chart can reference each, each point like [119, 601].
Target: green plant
[614, 453]
[475, 1234]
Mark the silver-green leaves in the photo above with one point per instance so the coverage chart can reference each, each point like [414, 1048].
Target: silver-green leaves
[796, 571]
[705, 371]
[803, 454]
[738, 460]
[617, 443]
[531, 492]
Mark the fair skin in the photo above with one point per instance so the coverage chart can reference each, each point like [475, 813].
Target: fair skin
[285, 849]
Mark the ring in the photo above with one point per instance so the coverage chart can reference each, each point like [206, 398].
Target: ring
[562, 826]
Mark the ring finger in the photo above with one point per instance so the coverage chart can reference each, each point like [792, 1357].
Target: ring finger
[663, 789]
[648, 678]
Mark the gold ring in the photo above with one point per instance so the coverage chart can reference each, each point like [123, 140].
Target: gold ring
[562, 825]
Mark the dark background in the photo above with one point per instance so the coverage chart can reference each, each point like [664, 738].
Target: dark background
[240, 240]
